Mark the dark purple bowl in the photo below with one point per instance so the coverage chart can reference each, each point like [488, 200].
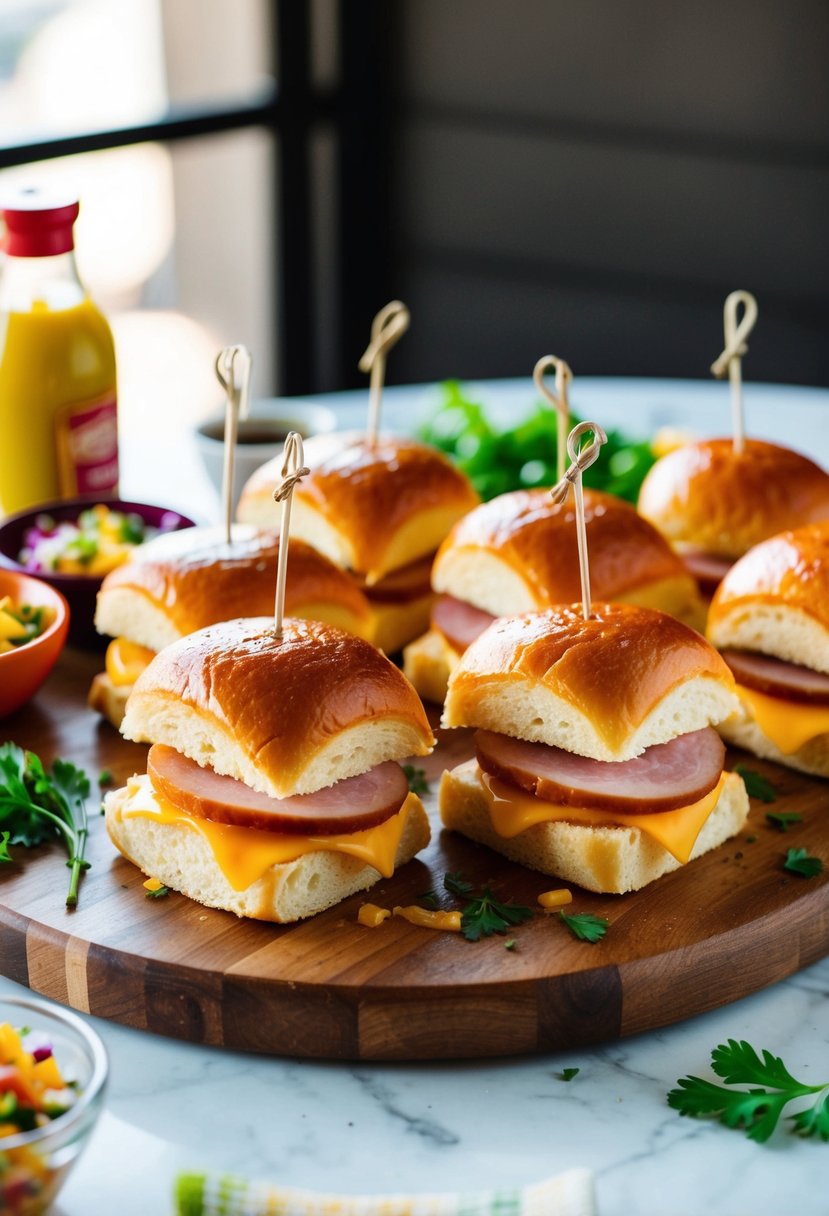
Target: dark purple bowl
[80, 589]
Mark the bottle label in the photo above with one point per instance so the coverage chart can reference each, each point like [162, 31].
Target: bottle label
[87, 447]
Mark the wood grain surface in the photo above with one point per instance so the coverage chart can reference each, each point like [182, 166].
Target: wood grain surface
[724, 926]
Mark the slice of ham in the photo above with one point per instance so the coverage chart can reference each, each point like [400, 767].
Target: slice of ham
[351, 805]
[664, 777]
[458, 621]
[709, 569]
[776, 678]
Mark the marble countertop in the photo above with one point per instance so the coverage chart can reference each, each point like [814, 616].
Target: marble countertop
[368, 1127]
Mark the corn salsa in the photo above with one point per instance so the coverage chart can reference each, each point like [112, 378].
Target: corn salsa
[98, 541]
[21, 623]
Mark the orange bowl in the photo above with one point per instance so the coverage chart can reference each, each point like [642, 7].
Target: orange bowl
[23, 670]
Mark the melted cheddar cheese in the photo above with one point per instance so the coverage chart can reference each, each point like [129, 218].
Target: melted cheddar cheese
[245, 854]
[788, 724]
[512, 812]
[125, 661]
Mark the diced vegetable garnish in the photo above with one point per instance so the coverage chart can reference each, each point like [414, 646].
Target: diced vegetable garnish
[20, 623]
[100, 540]
[32, 1088]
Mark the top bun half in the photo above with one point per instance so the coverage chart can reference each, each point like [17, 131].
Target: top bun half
[371, 508]
[184, 581]
[519, 552]
[708, 497]
[285, 716]
[775, 599]
[607, 688]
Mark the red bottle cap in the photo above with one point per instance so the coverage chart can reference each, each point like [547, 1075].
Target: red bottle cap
[38, 224]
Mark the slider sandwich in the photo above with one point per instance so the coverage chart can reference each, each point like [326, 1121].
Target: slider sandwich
[519, 553]
[596, 758]
[713, 502]
[183, 581]
[378, 510]
[770, 621]
[272, 786]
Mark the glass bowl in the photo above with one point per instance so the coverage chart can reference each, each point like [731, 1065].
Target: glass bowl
[34, 1165]
[80, 590]
[23, 670]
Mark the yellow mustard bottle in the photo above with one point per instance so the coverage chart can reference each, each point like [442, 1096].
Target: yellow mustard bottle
[58, 402]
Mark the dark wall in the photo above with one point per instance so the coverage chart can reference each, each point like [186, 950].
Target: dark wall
[591, 178]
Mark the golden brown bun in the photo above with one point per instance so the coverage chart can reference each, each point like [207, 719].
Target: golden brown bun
[108, 699]
[519, 552]
[285, 716]
[775, 599]
[607, 688]
[183, 861]
[706, 496]
[370, 509]
[606, 859]
[428, 662]
[183, 581]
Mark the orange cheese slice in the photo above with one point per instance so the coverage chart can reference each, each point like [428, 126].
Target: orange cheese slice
[244, 854]
[512, 812]
[126, 660]
[788, 724]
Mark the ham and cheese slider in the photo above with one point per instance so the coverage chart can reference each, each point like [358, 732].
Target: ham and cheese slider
[378, 510]
[770, 620]
[519, 553]
[713, 502]
[183, 581]
[272, 787]
[596, 757]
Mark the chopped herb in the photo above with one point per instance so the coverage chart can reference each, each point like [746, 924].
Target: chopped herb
[457, 884]
[567, 1074]
[486, 915]
[416, 778]
[585, 926]
[158, 893]
[751, 839]
[36, 806]
[799, 862]
[5, 855]
[757, 1111]
[429, 898]
[782, 819]
[757, 786]
[105, 778]
[510, 943]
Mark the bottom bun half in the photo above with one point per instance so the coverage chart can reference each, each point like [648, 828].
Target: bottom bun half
[182, 860]
[608, 860]
[428, 663]
[744, 731]
[108, 699]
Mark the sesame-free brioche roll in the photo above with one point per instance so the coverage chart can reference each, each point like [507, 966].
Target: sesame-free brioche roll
[708, 497]
[371, 508]
[184, 581]
[775, 599]
[286, 716]
[606, 688]
[519, 552]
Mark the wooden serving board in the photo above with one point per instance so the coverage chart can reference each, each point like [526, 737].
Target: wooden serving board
[724, 926]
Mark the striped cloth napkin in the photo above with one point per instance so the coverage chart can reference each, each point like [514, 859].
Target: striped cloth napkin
[567, 1194]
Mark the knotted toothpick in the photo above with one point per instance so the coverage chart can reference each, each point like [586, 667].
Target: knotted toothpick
[233, 369]
[581, 459]
[731, 358]
[558, 400]
[387, 328]
[293, 470]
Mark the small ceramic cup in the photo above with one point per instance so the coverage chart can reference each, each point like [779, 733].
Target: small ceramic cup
[261, 437]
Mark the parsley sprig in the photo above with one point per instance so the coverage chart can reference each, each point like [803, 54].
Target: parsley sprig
[486, 915]
[36, 806]
[416, 778]
[757, 786]
[799, 862]
[584, 925]
[757, 1110]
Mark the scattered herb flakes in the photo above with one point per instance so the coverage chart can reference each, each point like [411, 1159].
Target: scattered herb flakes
[457, 884]
[158, 893]
[416, 778]
[757, 786]
[510, 943]
[567, 1074]
[486, 915]
[751, 839]
[429, 898]
[585, 926]
[5, 855]
[756, 1111]
[782, 820]
[36, 806]
[105, 778]
[799, 862]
